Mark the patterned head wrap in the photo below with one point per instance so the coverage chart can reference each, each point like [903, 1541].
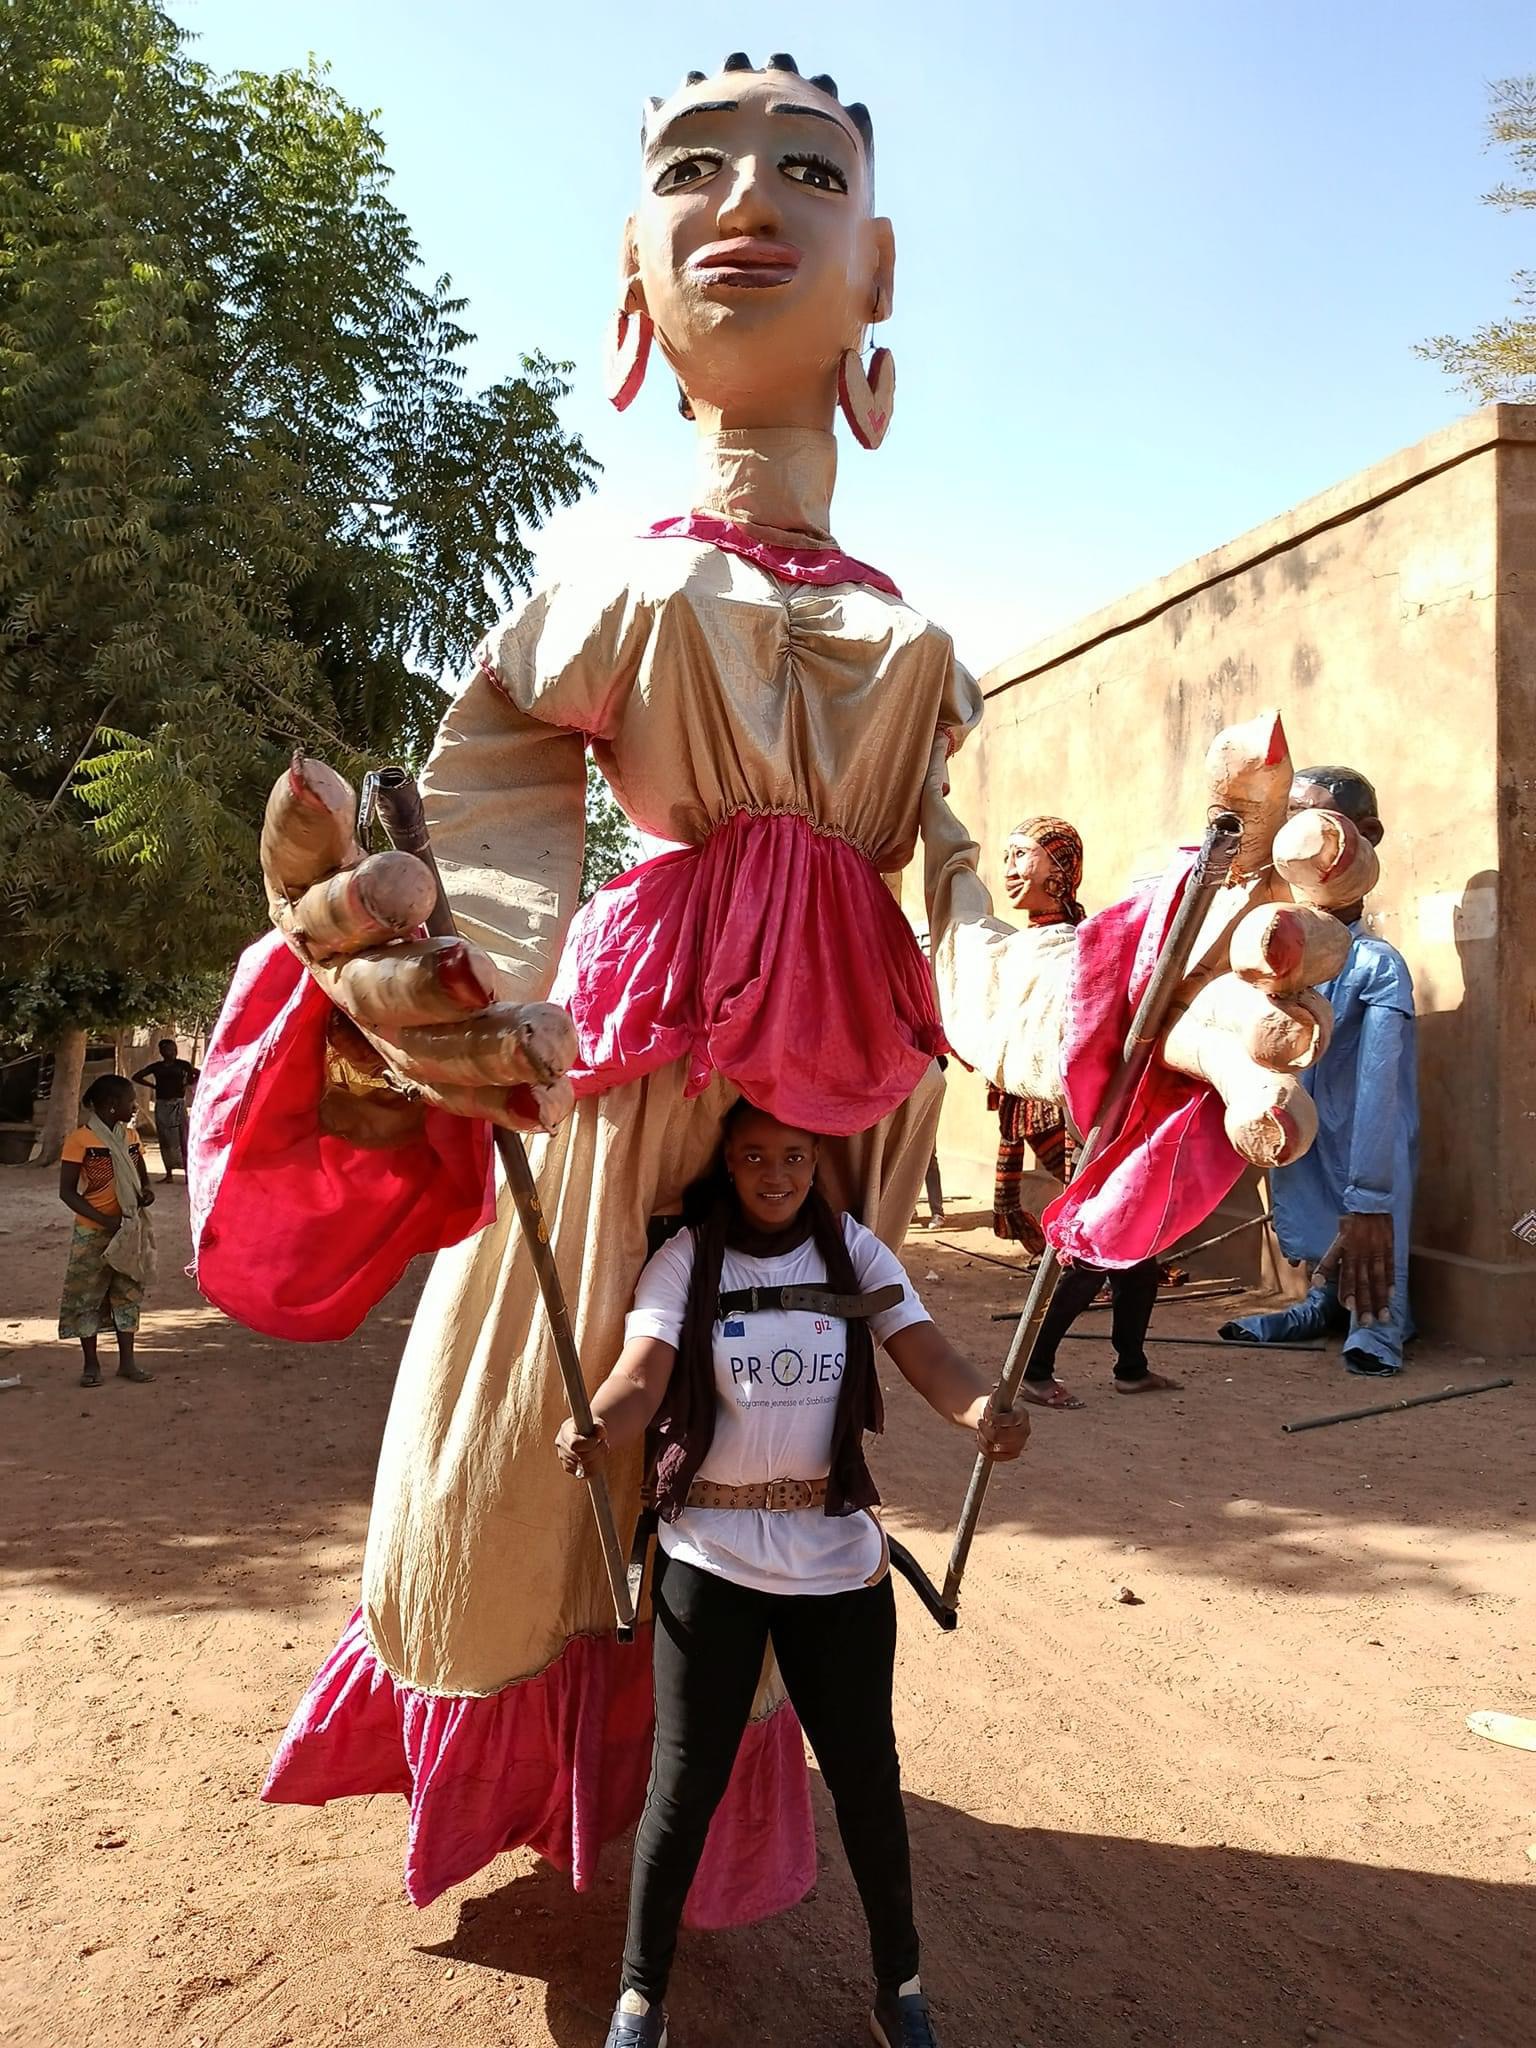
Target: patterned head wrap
[1063, 846]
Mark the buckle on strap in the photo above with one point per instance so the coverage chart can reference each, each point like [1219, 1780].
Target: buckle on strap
[784, 1496]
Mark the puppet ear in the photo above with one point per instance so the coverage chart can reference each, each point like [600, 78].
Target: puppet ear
[631, 291]
[885, 269]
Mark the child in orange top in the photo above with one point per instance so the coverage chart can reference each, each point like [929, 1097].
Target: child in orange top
[90, 1184]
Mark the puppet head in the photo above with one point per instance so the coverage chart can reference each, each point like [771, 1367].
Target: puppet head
[755, 253]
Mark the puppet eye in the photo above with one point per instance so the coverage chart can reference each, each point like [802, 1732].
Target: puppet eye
[819, 172]
[682, 171]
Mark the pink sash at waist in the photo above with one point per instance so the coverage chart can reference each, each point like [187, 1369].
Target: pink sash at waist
[773, 955]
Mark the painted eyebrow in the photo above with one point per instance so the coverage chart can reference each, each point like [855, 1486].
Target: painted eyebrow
[659, 140]
[815, 113]
[734, 106]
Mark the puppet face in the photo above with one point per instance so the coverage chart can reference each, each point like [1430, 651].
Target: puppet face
[1031, 877]
[753, 248]
[772, 1166]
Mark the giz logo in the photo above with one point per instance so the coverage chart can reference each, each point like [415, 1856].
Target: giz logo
[822, 1326]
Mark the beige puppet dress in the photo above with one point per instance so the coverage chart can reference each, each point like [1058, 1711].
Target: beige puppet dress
[769, 707]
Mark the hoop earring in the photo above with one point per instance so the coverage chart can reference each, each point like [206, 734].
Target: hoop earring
[629, 350]
[867, 398]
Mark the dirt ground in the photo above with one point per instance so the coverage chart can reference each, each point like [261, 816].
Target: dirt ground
[1246, 1809]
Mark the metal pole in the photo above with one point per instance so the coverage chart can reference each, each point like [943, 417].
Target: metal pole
[1388, 1407]
[400, 810]
[1212, 866]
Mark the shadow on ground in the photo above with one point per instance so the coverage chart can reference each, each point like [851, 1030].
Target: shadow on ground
[1038, 1939]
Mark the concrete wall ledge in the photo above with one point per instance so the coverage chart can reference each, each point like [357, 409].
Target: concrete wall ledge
[1456, 443]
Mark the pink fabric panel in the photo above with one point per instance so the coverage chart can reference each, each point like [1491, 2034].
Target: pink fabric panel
[558, 1764]
[795, 565]
[294, 1232]
[774, 955]
[1171, 1164]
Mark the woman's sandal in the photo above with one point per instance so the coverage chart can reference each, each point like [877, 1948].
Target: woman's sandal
[91, 1377]
[136, 1373]
[1052, 1394]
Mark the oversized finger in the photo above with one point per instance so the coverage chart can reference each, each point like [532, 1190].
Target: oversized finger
[375, 1121]
[310, 828]
[1248, 770]
[506, 1043]
[1284, 947]
[385, 896]
[1326, 861]
[1291, 1033]
[1270, 1119]
[1273, 1123]
[1231, 1026]
[425, 981]
[527, 1108]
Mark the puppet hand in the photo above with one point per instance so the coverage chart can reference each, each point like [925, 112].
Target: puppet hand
[1247, 1018]
[419, 1021]
[1362, 1258]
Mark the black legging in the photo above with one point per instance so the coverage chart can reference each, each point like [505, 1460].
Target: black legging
[837, 1654]
[1133, 1292]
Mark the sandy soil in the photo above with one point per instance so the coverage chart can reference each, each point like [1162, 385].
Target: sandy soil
[1245, 1810]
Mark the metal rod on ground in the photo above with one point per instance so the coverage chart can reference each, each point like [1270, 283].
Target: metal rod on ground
[1210, 1343]
[399, 806]
[1212, 866]
[1390, 1407]
[1248, 1223]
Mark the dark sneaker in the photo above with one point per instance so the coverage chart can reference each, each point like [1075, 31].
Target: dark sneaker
[901, 2018]
[631, 2029]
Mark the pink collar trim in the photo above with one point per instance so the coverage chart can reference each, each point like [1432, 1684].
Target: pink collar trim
[794, 565]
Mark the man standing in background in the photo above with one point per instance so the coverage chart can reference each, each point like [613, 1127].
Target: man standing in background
[170, 1077]
[1348, 1204]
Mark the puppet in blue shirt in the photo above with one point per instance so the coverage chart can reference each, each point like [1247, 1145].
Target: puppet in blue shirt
[1347, 1205]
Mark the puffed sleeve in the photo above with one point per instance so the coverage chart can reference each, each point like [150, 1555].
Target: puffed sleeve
[1003, 992]
[505, 787]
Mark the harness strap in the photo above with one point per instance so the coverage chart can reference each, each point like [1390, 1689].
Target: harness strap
[821, 1301]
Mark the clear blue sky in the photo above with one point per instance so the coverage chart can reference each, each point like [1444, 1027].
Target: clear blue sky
[1161, 265]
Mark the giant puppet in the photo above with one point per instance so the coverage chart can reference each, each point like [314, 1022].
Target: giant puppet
[775, 709]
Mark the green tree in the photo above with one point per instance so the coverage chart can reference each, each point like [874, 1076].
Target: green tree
[611, 845]
[246, 498]
[1499, 360]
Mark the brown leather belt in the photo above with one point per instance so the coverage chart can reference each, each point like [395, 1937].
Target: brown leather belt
[775, 1496]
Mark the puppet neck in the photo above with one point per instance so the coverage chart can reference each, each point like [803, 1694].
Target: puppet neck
[776, 482]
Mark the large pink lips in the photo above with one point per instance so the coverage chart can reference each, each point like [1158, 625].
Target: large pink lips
[745, 263]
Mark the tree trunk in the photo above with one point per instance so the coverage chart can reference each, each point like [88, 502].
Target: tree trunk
[63, 1110]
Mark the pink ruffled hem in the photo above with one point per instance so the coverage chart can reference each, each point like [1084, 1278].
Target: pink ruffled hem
[773, 954]
[557, 1763]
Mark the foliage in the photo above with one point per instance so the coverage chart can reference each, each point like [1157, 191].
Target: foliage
[1499, 360]
[611, 843]
[36, 1007]
[246, 499]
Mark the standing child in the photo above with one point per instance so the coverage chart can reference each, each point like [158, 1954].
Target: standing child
[103, 1181]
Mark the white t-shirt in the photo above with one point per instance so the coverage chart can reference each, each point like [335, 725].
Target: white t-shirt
[777, 1377]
